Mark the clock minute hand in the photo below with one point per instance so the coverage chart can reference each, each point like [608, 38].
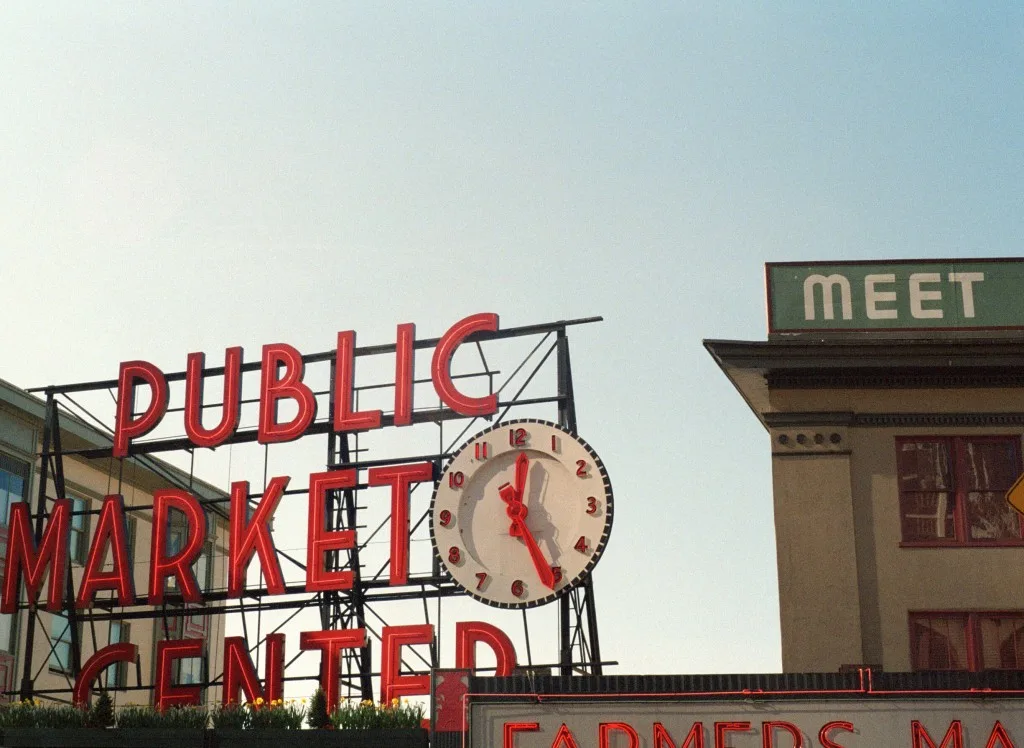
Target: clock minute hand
[522, 468]
[517, 512]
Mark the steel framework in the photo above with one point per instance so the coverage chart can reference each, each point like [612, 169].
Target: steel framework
[547, 367]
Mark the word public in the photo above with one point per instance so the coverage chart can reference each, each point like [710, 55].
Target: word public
[281, 373]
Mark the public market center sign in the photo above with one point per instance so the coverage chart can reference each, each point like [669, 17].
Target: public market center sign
[895, 296]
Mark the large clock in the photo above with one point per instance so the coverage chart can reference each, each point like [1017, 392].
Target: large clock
[521, 513]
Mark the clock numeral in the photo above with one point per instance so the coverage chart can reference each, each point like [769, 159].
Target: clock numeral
[456, 479]
[481, 577]
[517, 588]
[517, 437]
[554, 442]
[581, 544]
[581, 468]
[480, 450]
[591, 505]
[557, 571]
[445, 518]
[454, 556]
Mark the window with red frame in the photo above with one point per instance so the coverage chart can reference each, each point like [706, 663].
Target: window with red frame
[967, 641]
[953, 489]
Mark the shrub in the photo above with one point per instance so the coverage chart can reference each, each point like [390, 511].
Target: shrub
[318, 718]
[102, 712]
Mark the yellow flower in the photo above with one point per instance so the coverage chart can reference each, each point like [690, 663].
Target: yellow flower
[259, 701]
[394, 701]
[303, 699]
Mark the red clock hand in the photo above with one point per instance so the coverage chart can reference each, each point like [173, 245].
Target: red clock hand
[517, 513]
[522, 468]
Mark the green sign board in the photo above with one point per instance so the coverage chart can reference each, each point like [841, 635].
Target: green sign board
[895, 296]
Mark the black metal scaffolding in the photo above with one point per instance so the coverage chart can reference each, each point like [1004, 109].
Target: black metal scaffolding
[545, 371]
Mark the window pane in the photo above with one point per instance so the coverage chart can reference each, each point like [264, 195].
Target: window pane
[923, 466]
[6, 630]
[989, 517]
[926, 516]
[939, 642]
[990, 464]
[1002, 642]
[60, 635]
[16, 485]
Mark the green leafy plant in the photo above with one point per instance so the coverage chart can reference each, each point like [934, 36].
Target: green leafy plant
[365, 715]
[175, 717]
[230, 716]
[318, 718]
[102, 712]
[279, 715]
[41, 714]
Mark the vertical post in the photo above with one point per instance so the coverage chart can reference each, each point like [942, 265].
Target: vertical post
[48, 419]
[70, 611]
[339, 609]
[567, 418]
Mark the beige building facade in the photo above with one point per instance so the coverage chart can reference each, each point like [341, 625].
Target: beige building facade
[891, 458]
[54, 661]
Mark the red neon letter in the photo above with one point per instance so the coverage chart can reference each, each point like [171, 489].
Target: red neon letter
[319, 540]
[230, 411]
[605, 731]
[23, 557]
[564, 738]
[509, 730]
[825, 733]
[180, 564]
[468, 633]
[165, 693]
[999, 734]
[392, 684]
[111, 529]
[126, 427]
[253, 536]
[768, 733]
[330, 643]
[405, 373]
[721, 728]
[108, 655]
[400, 477]
[240, 673]
[954, 735]
[440, 367]
[694, 738]
[346, 419]
[289, 386]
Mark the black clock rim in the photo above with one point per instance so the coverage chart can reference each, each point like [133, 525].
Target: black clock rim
[598, 548]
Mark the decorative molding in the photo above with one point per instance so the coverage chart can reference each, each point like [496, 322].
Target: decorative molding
[937, 419]
[881, 379]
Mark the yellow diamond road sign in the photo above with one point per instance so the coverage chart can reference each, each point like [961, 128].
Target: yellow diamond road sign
[1015, 496]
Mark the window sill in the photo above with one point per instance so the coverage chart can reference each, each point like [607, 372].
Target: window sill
[963, 546]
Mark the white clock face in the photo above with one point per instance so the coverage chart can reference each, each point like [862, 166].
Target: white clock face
[521, 513]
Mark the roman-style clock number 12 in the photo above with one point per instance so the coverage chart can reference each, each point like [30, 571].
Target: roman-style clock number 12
[521, 513]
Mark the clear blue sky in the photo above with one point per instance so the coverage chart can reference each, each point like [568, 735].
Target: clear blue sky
[190, 176]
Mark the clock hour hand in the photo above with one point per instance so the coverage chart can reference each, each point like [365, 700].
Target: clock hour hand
[517, 513]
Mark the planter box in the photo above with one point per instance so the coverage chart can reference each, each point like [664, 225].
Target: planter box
[86, 737]
[396, 738]
[226, 738]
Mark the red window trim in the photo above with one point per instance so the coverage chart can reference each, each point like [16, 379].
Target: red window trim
[972, 634]
[961, 537]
